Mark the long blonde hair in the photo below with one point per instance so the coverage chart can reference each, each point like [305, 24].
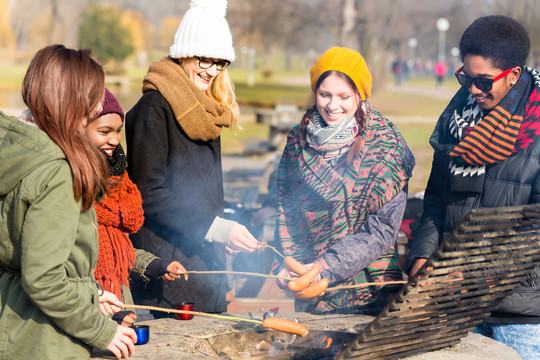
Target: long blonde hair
[222, 90]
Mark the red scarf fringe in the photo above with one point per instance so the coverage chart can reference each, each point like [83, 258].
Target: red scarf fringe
[118, 213]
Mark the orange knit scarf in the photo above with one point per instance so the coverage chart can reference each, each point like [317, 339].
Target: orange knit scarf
[118, 213]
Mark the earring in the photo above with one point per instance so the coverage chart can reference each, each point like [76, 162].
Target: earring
[513, 83]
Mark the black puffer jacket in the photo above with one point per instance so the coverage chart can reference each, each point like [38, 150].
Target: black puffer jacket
[515, 181]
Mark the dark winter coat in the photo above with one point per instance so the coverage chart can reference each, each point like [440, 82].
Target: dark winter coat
[514, 181]
[181, 184]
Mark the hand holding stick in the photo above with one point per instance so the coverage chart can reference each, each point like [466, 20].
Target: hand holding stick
[272, 323]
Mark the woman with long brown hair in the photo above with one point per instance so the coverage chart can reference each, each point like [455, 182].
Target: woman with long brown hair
[50, 175]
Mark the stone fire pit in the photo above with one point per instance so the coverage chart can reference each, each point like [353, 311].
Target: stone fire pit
[208, 338]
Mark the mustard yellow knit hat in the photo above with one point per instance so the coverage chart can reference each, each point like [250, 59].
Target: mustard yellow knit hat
[347, 61]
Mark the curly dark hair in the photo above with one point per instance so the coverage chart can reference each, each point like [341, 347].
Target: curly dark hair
[499, 39]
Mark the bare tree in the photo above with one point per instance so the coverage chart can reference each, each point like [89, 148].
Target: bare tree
[348, 36]
[54, 19]
[527, 13]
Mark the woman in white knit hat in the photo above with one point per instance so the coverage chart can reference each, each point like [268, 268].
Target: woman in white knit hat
[174, 157]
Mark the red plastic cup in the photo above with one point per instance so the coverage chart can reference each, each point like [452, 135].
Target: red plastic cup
[185, 306]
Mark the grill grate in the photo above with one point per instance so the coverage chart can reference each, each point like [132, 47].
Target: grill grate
[471, 273]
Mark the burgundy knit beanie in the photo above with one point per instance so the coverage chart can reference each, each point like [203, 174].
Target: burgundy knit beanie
[111, 106]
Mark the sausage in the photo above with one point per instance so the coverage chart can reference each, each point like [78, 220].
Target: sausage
[294, 266]
[287, 326]
[303, 281]
[313, 290]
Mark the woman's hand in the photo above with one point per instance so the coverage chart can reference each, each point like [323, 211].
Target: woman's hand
[282, 283]
[240, 239]
[417, 266]
[109, 303]
[174, 271]
[123, 343]
[129, 320]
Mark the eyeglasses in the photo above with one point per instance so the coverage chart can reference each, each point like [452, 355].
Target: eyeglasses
[481, 83]
[205, 63]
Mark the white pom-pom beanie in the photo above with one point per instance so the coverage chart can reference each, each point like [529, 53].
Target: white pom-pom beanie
[204, 31]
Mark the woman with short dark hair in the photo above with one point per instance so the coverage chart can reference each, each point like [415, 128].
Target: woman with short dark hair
[486, 155]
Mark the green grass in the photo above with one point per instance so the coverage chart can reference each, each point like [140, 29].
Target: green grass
[233, 140]
[391, 103]
[12, 76]
[268, 95]
[414, 113]
[417, 135]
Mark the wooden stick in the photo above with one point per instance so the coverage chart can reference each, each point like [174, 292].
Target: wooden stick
[336, 288]
[382, 283]
[273, 248]
[237, 273]
[215, 316]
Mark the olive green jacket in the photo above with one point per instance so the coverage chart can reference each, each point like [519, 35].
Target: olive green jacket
[49, 305]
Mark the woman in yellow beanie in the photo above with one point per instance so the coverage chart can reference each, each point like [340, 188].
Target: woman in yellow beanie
[341, 189]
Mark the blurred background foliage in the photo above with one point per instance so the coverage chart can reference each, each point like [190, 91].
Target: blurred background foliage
[276, 42]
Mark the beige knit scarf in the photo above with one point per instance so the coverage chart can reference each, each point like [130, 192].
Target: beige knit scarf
[199, 116]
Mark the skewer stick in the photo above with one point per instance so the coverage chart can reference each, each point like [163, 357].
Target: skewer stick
[198, 313]
[358, 286]
[237, 273]
[272, 323]
[274, 249]
[336, 288]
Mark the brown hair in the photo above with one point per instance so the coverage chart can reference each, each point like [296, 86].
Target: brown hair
[64, 88]
[359, 115]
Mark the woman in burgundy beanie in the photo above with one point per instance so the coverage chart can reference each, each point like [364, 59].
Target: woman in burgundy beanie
[121, 212]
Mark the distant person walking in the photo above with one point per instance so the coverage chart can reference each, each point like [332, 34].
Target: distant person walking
[174, 158]
[440, 72]
[398, 69]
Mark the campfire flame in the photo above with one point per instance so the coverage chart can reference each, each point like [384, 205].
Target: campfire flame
[326, 342]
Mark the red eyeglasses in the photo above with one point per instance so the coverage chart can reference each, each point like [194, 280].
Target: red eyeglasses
[481, 83]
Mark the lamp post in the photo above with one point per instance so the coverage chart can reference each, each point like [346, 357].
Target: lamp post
[250, 52]
[412, 54]
[442, 26]
[455, 53]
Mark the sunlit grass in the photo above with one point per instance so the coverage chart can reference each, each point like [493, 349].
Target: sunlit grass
[12, 76]
[414, 113]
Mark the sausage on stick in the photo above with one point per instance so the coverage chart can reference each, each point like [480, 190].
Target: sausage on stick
[303, 281]
[294, 266]
[287, 326]
[313, 290]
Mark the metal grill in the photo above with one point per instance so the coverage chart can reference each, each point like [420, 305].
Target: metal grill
[471, 273]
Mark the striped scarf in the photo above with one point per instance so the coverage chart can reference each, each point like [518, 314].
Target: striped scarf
[332, 141]
[474, 140]
[317, 206]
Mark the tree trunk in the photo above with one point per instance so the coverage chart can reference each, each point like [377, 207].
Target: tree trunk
[348, 36]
